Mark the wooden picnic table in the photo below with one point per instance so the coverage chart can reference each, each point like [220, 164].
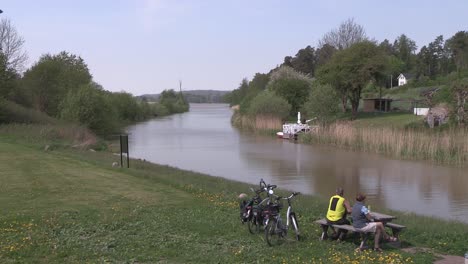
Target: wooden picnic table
[378, 217]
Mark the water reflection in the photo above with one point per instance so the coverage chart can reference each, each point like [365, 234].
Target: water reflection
[204, 141]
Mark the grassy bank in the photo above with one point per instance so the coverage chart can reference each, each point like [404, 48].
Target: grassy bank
[69, 205]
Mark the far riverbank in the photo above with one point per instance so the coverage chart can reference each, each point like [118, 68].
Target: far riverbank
[387, 134]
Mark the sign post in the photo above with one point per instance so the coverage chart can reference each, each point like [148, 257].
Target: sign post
[124, 149]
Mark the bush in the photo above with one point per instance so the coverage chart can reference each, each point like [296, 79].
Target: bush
[323, 103]
[14, 113]
[268, 103]
[89, 107]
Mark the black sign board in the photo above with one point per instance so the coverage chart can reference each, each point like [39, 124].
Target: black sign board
[124, 149]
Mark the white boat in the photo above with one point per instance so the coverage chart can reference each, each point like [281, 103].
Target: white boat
[290, 130]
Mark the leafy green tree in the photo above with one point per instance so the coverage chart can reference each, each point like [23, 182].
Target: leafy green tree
[324, 54]
[305, 61]
[459, 90]
[8, 78]
[53, 77]
[291, 85]
[268, 103]
[88, 106]
[173, 102]
[295, 91]
[237, 95]
[256, 86]
[322, 103]
[458, 45]
[425, 62]
[126, 106]
[331, 73]
[387, 47]
[355, 67]
[405, 49]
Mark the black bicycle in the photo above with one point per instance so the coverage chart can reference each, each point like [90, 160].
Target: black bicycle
[276, 230]
[259, 211]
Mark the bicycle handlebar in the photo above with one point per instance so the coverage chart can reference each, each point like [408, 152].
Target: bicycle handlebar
[287, 198]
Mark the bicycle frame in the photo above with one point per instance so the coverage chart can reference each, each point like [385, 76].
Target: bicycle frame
[278, 228]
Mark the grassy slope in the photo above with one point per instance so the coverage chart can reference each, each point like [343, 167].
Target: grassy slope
[70, 206]
[395, 120]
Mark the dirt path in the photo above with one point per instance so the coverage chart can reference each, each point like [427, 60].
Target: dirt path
[444, 259]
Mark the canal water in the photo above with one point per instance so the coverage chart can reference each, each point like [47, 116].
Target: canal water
[203, 140]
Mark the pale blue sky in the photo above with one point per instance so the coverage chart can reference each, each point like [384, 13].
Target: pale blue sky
[146, 46]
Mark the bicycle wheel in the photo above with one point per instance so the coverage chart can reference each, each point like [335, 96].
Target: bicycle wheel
[254, 225]
[295, 226]
[273, 233]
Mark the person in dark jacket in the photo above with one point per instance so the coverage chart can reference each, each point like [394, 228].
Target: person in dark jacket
[362, 219]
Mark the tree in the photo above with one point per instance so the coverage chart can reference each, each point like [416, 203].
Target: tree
[322, 103]
[343, 37]
[459, 91]
[291, 85]
[294, 91]
[125, 105]
[387, 47]
[173, 102]
[304, 61]
[458, 45]
[269, 104]
[405, 49]
[11, 45]
[355, 67]
[324, 54]
[8, 79]
[256, 86]
[425, 62]
[331, 73]
[88, 106]
[52, 77]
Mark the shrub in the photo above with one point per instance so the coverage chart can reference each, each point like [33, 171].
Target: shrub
[268, 103]
[89, 107]
[323, 103]
[14, 113]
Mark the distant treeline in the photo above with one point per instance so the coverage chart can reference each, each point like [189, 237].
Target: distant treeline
[194, 96]
[61, 87]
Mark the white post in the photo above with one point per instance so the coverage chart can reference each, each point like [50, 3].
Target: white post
[298, 117]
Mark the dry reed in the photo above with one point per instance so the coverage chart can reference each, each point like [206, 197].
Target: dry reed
[258, 123]
[447, 147]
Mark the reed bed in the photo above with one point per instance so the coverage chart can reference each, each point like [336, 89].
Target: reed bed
[445, 147]
[256, 123]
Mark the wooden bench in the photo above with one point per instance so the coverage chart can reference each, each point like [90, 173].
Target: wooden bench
[396, 229]
[324, 224]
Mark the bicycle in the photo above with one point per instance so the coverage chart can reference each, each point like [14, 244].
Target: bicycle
[258, 211]
[275, 230]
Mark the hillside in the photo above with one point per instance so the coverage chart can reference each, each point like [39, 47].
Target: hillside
[194, 96]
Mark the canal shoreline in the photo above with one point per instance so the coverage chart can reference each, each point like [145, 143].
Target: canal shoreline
[442, 147]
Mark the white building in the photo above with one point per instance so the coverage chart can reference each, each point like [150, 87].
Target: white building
[402, 80]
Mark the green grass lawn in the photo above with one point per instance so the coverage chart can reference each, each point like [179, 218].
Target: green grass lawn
[69, 206]
[394, 119]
